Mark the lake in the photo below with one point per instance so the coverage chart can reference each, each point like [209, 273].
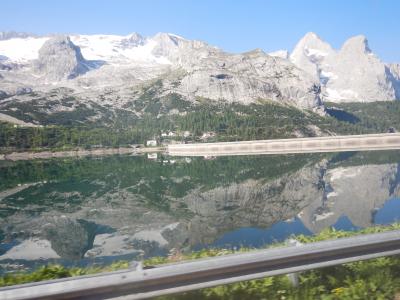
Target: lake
[98, 210]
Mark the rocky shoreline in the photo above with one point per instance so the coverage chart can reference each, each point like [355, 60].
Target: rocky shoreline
[14, 156]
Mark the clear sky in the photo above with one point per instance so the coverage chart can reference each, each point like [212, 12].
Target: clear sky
[233, 25]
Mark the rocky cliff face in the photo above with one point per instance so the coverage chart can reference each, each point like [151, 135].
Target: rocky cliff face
[393, 71]
[310, 54]
[249, 77]
[60, 59]
[357, 73]
[353, 73]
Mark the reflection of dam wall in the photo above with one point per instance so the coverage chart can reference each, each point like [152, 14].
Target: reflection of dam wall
[297, 145]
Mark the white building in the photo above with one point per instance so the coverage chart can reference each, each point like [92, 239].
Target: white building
[152, 156]
[151, 143]
[207, 135]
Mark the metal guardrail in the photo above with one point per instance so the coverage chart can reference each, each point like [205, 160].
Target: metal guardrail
[202, 273]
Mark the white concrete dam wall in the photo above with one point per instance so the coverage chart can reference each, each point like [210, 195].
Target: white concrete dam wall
[384, 141]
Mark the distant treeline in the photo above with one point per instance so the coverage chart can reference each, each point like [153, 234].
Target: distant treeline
[230, 122]
[65, 137]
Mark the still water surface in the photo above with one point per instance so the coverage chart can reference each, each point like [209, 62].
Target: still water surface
[98, 210]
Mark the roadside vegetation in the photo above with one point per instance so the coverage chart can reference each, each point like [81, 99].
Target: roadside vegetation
[372, 279]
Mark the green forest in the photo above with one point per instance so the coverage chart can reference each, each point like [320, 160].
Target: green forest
[230, 122]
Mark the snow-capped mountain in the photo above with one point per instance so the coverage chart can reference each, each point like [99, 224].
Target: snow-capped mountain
[89, 64]
[353, 73]
[114, 71]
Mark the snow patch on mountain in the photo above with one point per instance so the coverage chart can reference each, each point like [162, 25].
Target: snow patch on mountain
[118, 49]
[22, 50]
[280, 53]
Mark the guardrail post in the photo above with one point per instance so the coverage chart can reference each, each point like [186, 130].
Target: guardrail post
[293, 277]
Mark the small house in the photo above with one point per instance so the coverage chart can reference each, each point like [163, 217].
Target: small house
[151, 143]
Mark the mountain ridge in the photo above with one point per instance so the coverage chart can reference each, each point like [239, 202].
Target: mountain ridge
[112, 70]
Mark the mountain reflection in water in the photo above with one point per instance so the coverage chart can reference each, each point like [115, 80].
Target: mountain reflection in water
[96, 210]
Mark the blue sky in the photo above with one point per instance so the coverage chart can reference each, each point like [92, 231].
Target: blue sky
[233, 25]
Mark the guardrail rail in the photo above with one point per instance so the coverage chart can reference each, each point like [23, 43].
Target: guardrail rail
[209, 272]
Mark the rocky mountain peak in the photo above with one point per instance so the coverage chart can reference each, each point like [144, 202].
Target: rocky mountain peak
[308, 40]
[59, 59]
[254, 52]
[168, 40]
[310, 52]
[179, 51]
[356, 44]
[59, 43]
[356, 74]
[135, 36]
[133, 40]
[311, 36]
[166, 44]
[312, 45]
[351, 74]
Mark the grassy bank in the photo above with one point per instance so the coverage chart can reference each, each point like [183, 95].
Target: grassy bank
[373, 279]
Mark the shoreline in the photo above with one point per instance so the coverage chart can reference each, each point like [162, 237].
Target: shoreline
[16, 156]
